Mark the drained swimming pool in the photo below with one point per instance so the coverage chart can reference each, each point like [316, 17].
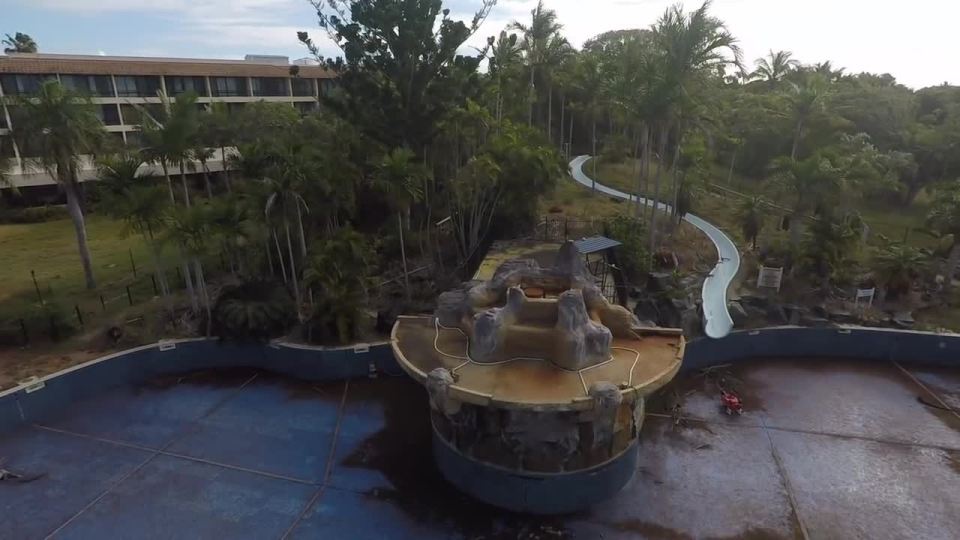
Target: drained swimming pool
[825, 449]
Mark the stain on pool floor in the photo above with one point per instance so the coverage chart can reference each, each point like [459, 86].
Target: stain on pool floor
[825, 449]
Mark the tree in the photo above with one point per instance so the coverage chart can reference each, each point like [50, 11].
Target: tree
[505, 58]
[169, 135]
[775, 66]
[19, 43]
[219, 130]
[751, 216]
[190, 228]
[896, 266]
[398, 176]
[944, 219]
[140, 205]
[544, 49]
[401, 72]
[340, 271]
[58, 126]
[806, 99]
[807, 183]
[690, 46]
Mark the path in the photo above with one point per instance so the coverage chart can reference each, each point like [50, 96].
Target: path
[717, 322]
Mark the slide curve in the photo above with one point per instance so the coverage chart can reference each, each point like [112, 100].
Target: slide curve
[717, 322]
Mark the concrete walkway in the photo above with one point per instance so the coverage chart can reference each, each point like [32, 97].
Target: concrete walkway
[717, 322]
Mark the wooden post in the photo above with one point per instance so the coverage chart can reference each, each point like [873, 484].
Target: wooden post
[102, 303]
[23, 330]
[133, 264]
[76, 308]
[36, 286]
[129, 295]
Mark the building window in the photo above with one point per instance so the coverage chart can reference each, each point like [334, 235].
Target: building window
[270, 86]
[326, 86]
[182, 85]
[133, 116]
[302, 87]
[229, 86]
[235, 108]
[137, 86]
[91, 85]
[109, 115]
[134, 140]
[18, 85]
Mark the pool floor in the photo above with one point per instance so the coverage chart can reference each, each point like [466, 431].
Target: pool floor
[825, 449]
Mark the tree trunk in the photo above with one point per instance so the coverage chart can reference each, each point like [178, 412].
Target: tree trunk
[270, 259]
[183, 180]
[796, 228]
[733, 160]
[563, 119]
[645, 166]
[656, 189]
[166, 175]
[403, 256]
[303, 238]
[595, 156]
[530, 98]
[798, 131]
[283, 267]
[226, 171]
[206, 180]
[80, 228]
[550, 114]
[188, 281]
[293, 268]
[571, 132]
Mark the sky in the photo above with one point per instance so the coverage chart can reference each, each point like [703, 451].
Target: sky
[913, 40]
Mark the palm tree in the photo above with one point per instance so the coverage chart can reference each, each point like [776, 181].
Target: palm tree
[284, 181]
[806, 99]
[896, 266]
[687, 46]
[58, 126]
[141, 206]
[399, 177]
[944, 219]
[169, 136]
[775, 66]
[807, 181]
[505, 57]
[191, 229]
[751, 215]
[825, 70]
[542, 45]
[219, 130]
[340, 269]
[19, 43]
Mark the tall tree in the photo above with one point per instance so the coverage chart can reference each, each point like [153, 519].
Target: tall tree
[169, 135]
[775, 66]
[57, 127]
[399, 176]
[544, 49]
[19, 43]
[401, 72]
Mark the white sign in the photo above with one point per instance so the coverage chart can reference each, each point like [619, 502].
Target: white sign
[770, 277]
[866, 295]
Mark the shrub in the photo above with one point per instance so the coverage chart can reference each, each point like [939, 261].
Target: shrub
[253, 310]
[33, 214]
[632, 254]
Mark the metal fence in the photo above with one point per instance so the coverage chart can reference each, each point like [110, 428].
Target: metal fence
[562, 228]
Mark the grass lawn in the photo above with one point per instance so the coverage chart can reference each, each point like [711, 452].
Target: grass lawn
[50, 250]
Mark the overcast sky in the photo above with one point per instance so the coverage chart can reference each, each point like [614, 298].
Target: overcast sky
[915, 40]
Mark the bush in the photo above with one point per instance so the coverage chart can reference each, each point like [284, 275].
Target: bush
[254, 310]
[33, 214]
[632, 254]
[616, 148]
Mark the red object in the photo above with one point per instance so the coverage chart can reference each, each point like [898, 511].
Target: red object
[731, 402]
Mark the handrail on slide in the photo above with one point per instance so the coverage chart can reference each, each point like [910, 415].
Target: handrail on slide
[717, 322]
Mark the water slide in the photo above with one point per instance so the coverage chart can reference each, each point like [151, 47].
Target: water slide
[716, 318]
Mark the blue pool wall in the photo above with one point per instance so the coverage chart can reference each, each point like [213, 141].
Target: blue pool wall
[19, 406]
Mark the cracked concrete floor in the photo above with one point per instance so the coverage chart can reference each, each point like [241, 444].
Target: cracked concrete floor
[825, 449]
